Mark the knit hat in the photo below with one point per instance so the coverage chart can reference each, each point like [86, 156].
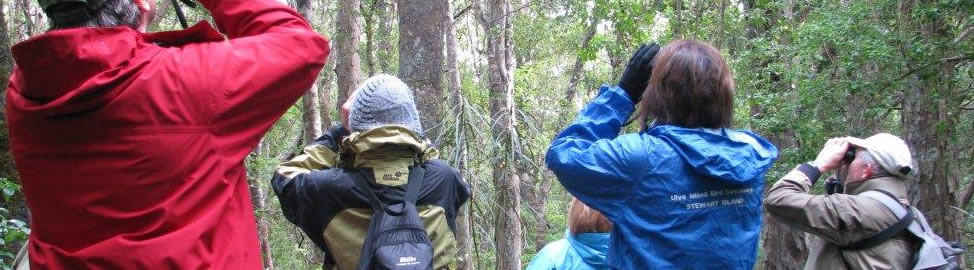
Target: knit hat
[383, 100]
[888, 151]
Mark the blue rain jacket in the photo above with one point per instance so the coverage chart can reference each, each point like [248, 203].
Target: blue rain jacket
[585, 251]
[678, 198]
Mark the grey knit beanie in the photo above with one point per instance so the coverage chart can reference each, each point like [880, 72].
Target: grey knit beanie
[383, 100]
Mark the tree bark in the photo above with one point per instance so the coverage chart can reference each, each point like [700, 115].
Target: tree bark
[310, 114]
[928, 120]
[678, 19]
[369, 16]
[535, 193]
[464, 236]
[7, 169]
[383, 53]
[421, 34]
[324, 95]
[258, 198]
[785, 248]
[348, 67]
[507, 219]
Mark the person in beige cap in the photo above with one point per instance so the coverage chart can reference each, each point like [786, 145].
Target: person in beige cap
[841, 221]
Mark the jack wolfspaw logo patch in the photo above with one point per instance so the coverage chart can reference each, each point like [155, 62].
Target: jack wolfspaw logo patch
[391, 176]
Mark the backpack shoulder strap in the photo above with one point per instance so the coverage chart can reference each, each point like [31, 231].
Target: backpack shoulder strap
[415, 183]
[362, 183]
[902, 212]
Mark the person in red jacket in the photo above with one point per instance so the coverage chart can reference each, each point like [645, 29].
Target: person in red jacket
[130, 146]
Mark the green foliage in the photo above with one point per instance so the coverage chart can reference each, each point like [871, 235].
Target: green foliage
[13, 232]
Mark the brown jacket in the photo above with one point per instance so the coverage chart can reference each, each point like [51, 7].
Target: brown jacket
[841, 219]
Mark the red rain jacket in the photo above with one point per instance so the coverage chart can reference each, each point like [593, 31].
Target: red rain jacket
[130, 146]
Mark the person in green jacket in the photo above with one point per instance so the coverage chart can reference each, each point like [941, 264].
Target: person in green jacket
[317, 189]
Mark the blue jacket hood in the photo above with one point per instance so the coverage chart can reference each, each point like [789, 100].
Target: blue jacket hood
[592, 247]
[720, 153]
[586, 251]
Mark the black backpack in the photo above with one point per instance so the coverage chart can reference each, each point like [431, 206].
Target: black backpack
[397, 237]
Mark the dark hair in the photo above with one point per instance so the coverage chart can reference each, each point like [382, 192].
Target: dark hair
[582, 219]
[691, 86]
[111, 14]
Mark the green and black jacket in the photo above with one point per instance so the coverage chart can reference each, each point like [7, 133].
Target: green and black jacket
[318, 193]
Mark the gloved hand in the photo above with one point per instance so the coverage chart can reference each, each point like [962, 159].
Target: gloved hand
[333, 137]
[636, 76]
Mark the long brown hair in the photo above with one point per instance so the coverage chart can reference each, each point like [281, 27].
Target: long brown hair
[691, 86]
[582, 219]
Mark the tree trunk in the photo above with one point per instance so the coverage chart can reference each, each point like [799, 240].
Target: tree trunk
[464, 237]
[348, 66]
[535, 193]
[369, 16]
[507, 219]
[258, 198]
[928, 119]
[576, 72]
[383, 53]
[324, 95]
[7, 169]
[421, 33]
[327, 76]
[677, 23]
[784, 247]
[310, 114]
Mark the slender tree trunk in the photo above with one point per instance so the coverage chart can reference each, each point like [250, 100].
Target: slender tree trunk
[618, 56]
[464, 237]
[507, 220]
[384, 53]
[7, 169]
[324, 95]
[327, 77]
[677, 23]
[28, 19]
[576, 72]
[348, 66]
[421, 34]
[310, 114]
[369, 16]
[535, 193]
[258, 198]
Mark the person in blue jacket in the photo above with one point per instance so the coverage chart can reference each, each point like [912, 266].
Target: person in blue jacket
[584, 246]
[685, 191]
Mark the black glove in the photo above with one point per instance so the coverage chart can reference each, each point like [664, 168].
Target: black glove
[333, 137]
[640, 66]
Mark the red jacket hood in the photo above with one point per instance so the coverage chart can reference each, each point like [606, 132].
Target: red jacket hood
[76, 70]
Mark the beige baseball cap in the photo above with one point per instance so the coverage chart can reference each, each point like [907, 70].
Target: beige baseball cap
[888, 151]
